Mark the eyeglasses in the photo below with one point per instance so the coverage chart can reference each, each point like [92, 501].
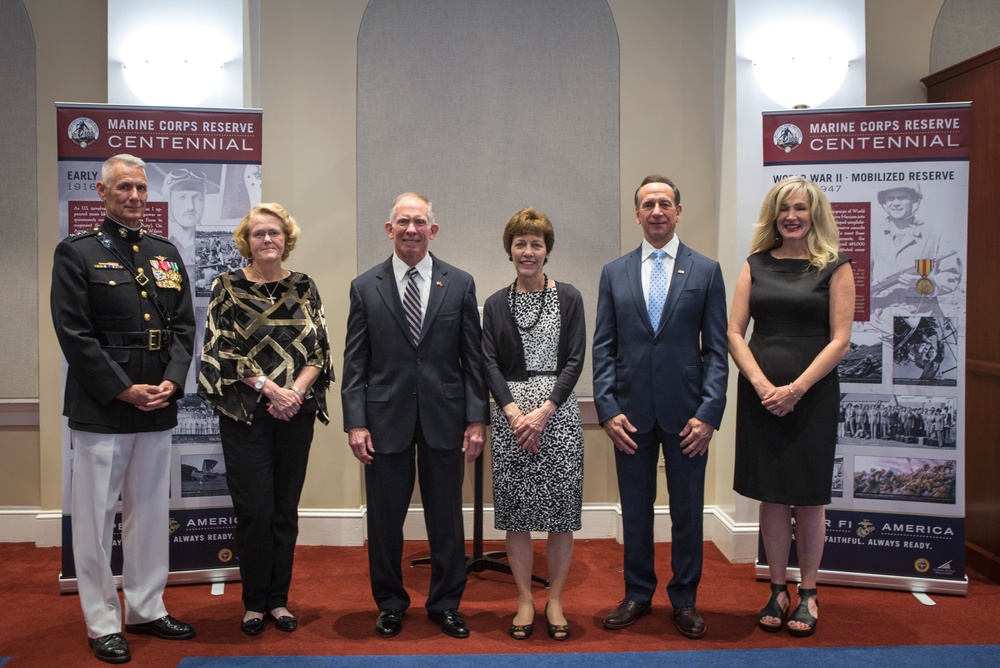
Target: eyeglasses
[274, 234]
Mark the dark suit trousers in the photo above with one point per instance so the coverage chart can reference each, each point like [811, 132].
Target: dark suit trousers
[265, 468]
[389, 488]
[637, 490]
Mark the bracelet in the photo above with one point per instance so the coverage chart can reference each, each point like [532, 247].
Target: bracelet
[792, 392]
[298, 393]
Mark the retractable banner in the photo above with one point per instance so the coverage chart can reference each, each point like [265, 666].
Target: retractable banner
[898, 179]
[203, 167]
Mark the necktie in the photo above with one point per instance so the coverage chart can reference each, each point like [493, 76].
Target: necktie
[657, 288]
[411, 304]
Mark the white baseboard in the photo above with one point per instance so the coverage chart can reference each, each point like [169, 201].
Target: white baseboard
[346, 526]
[31, 525]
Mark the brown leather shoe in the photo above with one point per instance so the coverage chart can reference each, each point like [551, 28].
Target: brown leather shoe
[689, 622]
[626, 613]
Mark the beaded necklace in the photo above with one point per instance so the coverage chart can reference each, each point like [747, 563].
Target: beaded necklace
[541, 307]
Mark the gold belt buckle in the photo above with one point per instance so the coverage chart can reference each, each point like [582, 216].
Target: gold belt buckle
[155, 338]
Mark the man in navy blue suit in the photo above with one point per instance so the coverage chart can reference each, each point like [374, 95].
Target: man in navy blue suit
[660, 374]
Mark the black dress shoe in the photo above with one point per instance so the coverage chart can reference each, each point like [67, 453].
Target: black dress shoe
[252, 626]
[112, 648]
[626, 613]
[165, 627]
[389, 623]
[452, 623]
[689, 622]
[285, 623]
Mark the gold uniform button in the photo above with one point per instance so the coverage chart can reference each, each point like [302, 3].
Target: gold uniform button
[144, 295]
[141, 270]
[135, 249]
[112, 283]
[145, 316]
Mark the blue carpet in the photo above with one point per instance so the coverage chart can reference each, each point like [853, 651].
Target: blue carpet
[938, 656]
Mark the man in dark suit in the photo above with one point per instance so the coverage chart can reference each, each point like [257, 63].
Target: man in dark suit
[414, 385]
[660, 373]
[121, 306]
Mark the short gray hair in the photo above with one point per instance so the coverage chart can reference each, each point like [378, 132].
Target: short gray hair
[121, 158]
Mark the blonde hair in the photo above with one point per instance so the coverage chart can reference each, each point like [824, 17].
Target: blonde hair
[823, 238]
[241, 235]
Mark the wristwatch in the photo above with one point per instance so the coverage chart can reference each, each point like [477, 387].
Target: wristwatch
[259, 383]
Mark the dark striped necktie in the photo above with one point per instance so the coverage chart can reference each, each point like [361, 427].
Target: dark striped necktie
[411, 304]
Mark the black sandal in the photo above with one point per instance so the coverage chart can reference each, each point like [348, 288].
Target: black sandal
[774, 609]
[521, 631]
[803, 616]
[556, 631]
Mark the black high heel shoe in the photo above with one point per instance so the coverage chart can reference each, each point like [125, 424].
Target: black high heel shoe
[774, 609]
[803, 616]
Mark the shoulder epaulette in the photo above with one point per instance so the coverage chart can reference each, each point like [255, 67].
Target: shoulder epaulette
[158, 237]
[84, 233]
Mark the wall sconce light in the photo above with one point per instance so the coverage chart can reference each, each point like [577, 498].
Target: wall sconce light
[800, 80]
[176, 81]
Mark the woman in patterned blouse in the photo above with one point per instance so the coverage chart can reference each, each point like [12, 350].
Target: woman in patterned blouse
[265, 367]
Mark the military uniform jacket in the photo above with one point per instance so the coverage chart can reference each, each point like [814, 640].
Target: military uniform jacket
[94, 294]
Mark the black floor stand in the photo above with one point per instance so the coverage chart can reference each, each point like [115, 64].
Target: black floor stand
[478, 562]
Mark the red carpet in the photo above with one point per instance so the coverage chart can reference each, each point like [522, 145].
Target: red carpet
[331, 596]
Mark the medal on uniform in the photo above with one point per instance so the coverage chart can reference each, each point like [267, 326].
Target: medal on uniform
[924, 267]
[166, 274]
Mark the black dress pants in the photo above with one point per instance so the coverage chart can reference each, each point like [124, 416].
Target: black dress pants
[265, 468]
[389, 485]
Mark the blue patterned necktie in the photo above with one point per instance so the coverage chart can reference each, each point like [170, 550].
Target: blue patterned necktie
[411, 304]
[657, 288]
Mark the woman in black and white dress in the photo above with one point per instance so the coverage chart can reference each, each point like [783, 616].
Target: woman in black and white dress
[534, 342]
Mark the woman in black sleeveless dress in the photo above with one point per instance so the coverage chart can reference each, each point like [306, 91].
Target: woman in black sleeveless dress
[799, 290]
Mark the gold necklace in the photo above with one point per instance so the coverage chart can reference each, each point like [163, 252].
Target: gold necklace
[270, 293]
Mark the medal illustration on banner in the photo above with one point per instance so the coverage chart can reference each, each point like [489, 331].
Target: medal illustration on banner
[924, 267]
[167, 274]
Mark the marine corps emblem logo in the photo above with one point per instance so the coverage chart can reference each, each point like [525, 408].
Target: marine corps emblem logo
[787, 137]
[83, 131]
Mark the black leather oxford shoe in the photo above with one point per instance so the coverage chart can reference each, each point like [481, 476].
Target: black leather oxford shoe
[452, 623]
[112, 648]
[389, 623]
[165, 627]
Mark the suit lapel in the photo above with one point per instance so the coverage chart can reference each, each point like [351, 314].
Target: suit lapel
[682, 269]
[633, 272]
[387, 289]
[439, 288]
